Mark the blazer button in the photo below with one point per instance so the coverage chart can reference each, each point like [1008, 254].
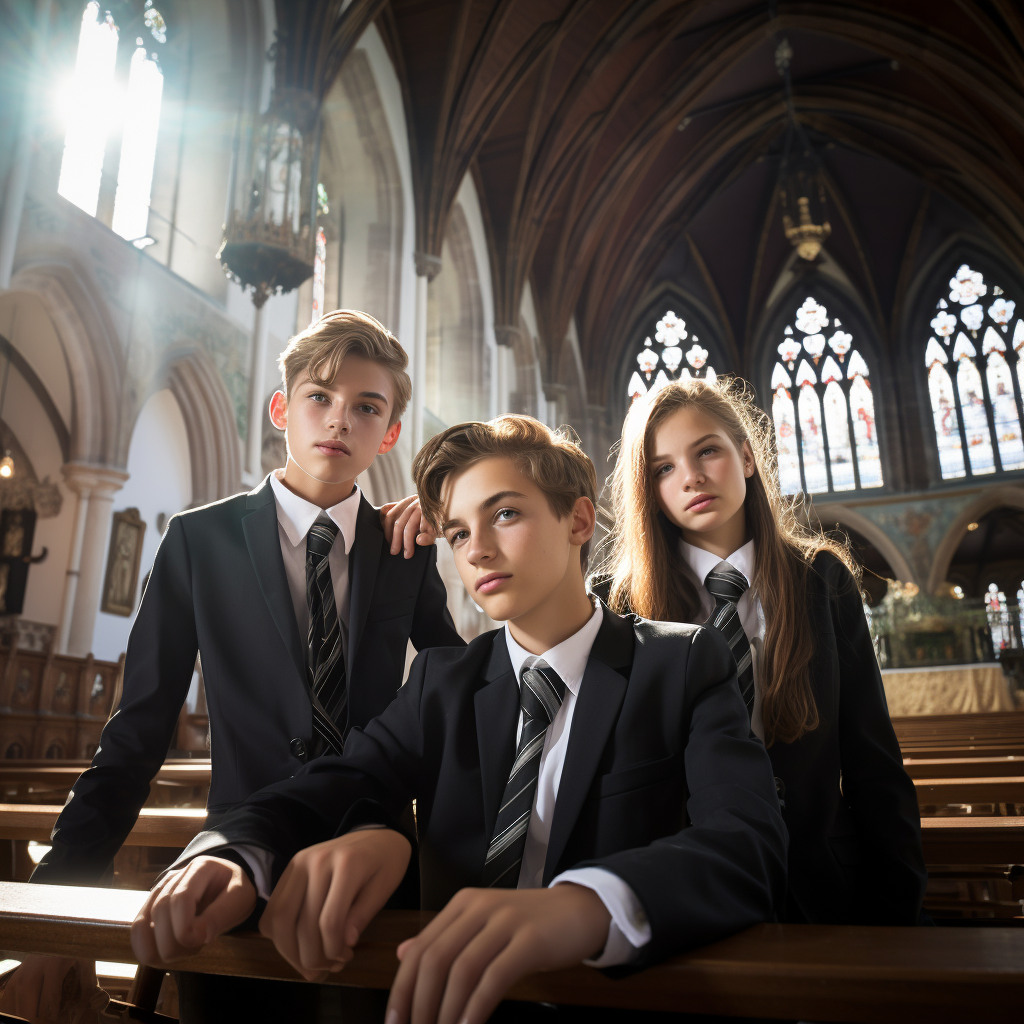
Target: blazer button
[298, 749]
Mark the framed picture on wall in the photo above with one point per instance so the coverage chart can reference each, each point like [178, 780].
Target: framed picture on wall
[123, 560]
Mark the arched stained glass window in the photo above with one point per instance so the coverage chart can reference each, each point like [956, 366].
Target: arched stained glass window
[823, 408]
[94, 104]
[675, 354]
[974, 378]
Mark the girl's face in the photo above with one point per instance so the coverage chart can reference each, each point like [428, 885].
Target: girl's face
[700, 479]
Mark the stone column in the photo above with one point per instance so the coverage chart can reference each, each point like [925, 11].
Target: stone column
[95, 487]
[428, 267]
[253, 472]
[507, 337]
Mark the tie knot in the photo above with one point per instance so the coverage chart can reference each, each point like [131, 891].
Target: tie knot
[321, 536]
[541, 690]
[726, 583]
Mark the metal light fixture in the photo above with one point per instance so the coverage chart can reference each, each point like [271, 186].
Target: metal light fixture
[801, 178]
[270, 238]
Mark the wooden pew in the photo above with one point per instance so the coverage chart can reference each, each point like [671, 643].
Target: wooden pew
[992, 733]
[814, 972]
[993, 790]
[960, 767]
[973, 841]
[171, 827]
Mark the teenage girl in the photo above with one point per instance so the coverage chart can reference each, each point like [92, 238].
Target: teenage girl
[702, 534]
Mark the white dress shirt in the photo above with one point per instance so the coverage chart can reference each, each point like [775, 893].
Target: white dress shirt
[748, 608]
[629, 929]
[295, 516]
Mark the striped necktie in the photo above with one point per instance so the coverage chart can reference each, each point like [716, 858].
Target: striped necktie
[727, 585]
[325, 659]
[540, 696]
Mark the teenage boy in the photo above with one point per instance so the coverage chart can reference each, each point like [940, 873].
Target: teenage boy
[290, 595]
[587, 785]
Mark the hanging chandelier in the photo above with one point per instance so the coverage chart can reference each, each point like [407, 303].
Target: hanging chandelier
[801, 186]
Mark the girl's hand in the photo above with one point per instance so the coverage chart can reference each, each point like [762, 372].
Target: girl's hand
[404, 526]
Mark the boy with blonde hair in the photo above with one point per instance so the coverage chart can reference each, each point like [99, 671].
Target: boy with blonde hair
[290, 596]
[587, 785]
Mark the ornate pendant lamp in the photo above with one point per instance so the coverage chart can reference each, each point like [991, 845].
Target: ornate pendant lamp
[801, 177]
[270, 237]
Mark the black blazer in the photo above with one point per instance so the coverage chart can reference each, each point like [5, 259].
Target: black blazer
[851, 810]
[662, 784]
[218, 587]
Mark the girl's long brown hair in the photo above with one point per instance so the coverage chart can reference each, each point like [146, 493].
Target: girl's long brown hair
[646, 569]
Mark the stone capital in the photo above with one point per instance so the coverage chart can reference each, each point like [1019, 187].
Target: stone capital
[427, 264]
[507, 335]
[553, 392]
[98, 480]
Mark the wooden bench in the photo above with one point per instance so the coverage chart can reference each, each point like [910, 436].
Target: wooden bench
[994, 790]
[991, 733]
[810, 972]
[973, 841]
[963, 767]
[169, 827]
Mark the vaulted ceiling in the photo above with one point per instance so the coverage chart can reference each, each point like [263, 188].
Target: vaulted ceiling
[619, 145]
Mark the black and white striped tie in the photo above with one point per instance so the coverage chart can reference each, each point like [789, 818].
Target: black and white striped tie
[727, 585]
[540, 696]
[325, 659]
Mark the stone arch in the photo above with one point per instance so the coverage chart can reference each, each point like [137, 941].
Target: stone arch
[872, 532]
[214, 447]
[93, 351]
[1000, 496]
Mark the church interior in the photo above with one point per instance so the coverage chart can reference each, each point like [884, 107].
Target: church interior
[557, 206]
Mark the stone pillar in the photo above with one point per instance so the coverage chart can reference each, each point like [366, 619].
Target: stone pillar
[507, 338]
[95, 487]
[428, 267]
[253, 472]
[556, 399]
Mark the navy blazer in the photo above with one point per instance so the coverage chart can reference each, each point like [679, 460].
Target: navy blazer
[662, 784]
[218, 586]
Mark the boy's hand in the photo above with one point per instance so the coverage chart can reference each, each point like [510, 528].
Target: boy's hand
[460, 966]
[329, 893]
[404, 526]
[191, 907]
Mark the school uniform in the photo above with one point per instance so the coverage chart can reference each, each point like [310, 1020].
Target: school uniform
[228, 582]
[851, 810]
[650, 789]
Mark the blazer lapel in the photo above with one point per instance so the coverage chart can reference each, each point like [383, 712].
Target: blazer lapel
[597, 710]
[364, 558]
[260, 529]
[497, 712]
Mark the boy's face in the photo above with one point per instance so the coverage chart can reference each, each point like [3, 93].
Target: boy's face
[512, 551]
[334, 433]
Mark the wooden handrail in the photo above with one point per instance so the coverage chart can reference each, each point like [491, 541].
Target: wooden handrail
[57, 776]
[174, 827]
[790, 972]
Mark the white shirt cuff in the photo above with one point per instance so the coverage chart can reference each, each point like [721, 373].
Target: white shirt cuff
[259, 861]
[629, 930]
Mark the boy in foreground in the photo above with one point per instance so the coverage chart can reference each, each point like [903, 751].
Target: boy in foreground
[587, 785]
[298, 610]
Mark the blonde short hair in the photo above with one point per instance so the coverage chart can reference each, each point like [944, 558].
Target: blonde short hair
[554, 461]
[316, 354]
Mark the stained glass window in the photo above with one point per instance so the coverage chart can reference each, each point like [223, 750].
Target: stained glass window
[319, 274]
[823, 408]
[675, 354]
[974, 378]
[93, 104]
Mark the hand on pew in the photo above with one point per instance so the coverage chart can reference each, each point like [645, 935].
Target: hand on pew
[189, 908]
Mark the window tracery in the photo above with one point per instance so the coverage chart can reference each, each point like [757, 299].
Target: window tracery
[826, 437]
[668, 358]
[976, 399]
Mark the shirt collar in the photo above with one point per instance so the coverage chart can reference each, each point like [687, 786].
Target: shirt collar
[296, 515]
[569, 658]
[702, 562]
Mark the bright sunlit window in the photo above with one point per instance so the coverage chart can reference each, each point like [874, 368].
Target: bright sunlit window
[94, 106]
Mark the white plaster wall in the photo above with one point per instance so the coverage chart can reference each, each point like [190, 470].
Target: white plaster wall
[160, 480]
[31, 426]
